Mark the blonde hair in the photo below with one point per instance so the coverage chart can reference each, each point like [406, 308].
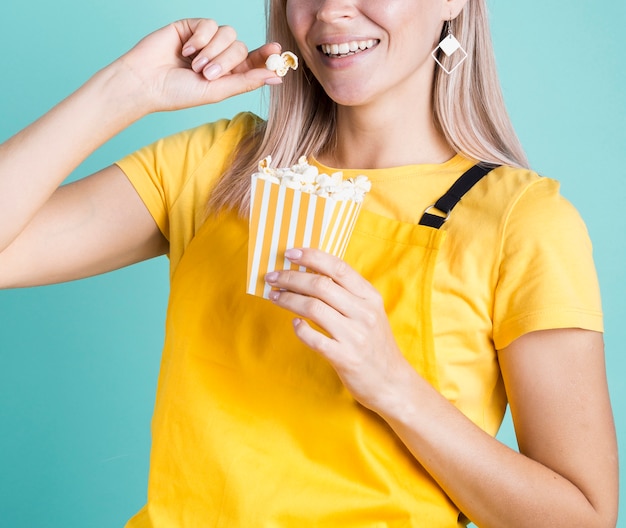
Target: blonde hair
[468, 107]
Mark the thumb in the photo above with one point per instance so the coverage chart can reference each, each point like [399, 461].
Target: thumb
[238, 83]
[256, 58]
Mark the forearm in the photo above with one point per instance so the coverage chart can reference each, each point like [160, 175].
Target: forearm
[492, 484]
[35, 161]
[555, 381]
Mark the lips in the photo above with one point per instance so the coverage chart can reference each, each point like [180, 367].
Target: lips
[345, 49]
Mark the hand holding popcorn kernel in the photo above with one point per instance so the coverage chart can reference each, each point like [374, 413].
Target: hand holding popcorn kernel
[282, 63]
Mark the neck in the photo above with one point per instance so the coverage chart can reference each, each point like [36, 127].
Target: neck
[377, 142]
[392, 131]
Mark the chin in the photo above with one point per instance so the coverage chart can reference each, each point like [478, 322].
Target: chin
[349, 95]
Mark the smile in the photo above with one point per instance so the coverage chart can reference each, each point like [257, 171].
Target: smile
[347, 48]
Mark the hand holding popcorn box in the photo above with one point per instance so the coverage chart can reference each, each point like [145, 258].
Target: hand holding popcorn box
[298, 207]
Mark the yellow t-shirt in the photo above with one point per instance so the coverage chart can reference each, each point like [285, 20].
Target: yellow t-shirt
[516, 258]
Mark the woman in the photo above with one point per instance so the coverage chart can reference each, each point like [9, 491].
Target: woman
[379, 405]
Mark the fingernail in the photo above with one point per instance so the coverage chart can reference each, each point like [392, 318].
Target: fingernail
[293, 254]
[200, 63]
[272, 276]
[274, 295]
[188, 50]
[212, 72]
[274, 80]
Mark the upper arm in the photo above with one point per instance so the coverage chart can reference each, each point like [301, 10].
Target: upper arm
[557, 389]
[88, 227]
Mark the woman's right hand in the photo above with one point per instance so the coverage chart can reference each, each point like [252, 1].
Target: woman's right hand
[187, 63]
[193, 62]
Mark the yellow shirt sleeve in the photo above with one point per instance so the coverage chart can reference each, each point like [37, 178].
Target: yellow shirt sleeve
[547, 275]
[174, 176]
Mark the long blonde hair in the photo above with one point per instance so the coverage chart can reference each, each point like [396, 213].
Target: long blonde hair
[468, 109]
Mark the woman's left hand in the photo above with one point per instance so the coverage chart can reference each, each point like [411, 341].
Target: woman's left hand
[358, 341]
[566, 473]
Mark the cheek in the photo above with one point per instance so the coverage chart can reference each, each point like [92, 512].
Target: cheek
[416, 20]
[295, 15]
[298, 21]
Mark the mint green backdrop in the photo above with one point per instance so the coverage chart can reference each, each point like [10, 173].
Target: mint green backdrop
[79, 361]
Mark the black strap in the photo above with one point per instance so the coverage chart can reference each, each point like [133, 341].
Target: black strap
[446, 203]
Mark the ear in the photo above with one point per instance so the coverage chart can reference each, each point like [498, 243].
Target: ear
[450, 9]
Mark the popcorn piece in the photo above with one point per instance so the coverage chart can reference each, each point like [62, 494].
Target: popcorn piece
[281, 63]
[306, 178]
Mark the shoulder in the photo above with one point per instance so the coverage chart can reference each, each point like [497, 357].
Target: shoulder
[512, 201]
[193, 144]
[526, 248]
[506, 201]
[171, 162]
[546, 276]
[173, 175]
[503, 189]
[197, 142]
[529, 218]
[224, 130]
[532, 210]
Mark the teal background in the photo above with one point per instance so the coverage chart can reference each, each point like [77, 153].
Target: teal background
[79, 361]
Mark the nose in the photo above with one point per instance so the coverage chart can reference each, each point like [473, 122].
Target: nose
[335, 10]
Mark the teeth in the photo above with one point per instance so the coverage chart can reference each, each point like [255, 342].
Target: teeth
[347, 48]
[344, 48]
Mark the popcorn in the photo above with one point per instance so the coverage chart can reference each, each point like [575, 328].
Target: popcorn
[298, 206]
[281, 63]
[306, 178]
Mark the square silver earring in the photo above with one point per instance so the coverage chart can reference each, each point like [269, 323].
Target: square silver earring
[452, 49]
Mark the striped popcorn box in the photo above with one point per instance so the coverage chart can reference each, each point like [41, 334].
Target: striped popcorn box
[283, 216]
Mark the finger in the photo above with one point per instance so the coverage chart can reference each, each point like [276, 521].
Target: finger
[215, 49]
[230, 60]
[256, 58]
[195, 34]
[314, 286]
[221, 54]
[223, 63]
[338, 270]
[321, 300]
[314, 339]
[235, 84]
[326, 303]
[314, 309]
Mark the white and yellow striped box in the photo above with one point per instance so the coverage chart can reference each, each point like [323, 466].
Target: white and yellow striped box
[283, 218]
